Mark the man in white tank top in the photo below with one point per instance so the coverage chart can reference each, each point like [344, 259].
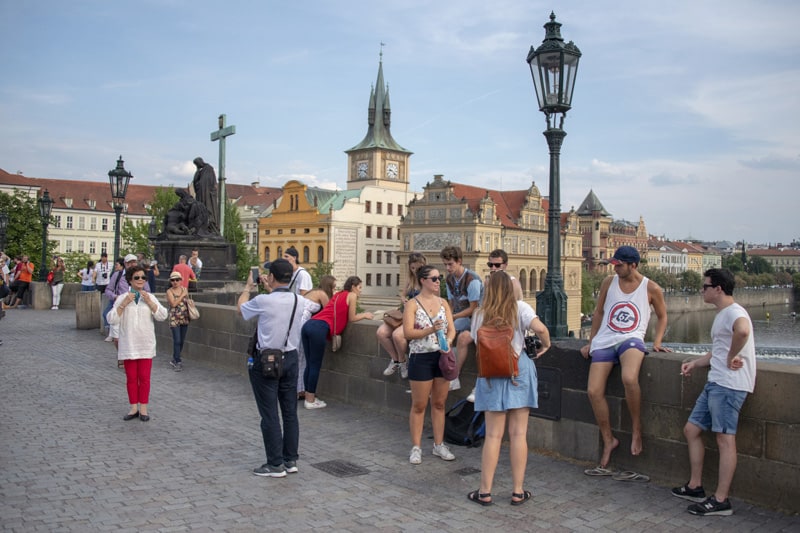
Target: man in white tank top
[619, 324]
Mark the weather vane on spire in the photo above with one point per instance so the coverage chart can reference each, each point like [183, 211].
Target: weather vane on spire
[381, 54]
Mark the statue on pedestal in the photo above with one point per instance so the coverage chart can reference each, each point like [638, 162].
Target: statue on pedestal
[205, 191]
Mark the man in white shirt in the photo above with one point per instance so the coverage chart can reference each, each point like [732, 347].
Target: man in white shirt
[103, 271]
[196, 263]
[301, 280]
[732, 376]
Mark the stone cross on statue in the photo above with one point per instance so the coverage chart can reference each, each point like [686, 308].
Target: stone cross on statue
[220, 135]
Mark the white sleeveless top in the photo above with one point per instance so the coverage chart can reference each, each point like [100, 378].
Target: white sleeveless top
[624, 315]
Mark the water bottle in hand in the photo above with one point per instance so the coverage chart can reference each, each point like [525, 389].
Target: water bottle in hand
[442, 340]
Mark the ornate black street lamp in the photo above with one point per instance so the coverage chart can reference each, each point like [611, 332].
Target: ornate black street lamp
[553, 67]
[3, 226]
[118, 178]
[45, 208]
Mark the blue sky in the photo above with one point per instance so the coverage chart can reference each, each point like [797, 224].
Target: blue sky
[684, 112]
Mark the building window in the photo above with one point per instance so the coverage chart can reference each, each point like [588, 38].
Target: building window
[368, 207]
[378, 280]
[247, 238]
[69, 226]
[369, 232]
[378, 256]
[104, 248]
[57, 221]
[380, 232]
[388, 280]
[379, 208]
[81, 224]
[279, 255]
[306, 230]
[292, 231]
[266, 232]
[388, 260]
[369, 280]
[321, 230]
[399, 210]
[320, 254]
[369, 256]
[93, 223]
[68, 246]
[306, 253]
[266, 253]
[280, 232]
[388, 233]
[397, 278]
[388, 211]
[92, 247]
[80, 246]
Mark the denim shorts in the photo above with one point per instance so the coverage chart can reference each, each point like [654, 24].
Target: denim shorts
[717, 408]
[612, 353]
[424, 366]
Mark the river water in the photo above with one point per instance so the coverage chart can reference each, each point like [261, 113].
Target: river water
[777, 332]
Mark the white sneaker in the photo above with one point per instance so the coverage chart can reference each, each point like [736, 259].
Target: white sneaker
[416, 456]
[54, 308]
[316, 404]
[392, 368]
[404, 370]
[471, 396]
[455, 384]
[441, 450]
[109, 338]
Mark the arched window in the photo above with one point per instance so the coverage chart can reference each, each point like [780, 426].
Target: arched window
[522, 281]
[320, 254]
[305, 254]
[266, 253]
[280, 252]
[534, 286]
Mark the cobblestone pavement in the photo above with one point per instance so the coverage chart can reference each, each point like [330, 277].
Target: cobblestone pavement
[69, 463]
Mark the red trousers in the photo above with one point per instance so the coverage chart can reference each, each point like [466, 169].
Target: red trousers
[138, 373]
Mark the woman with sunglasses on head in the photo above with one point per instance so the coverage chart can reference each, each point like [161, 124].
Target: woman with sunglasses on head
[177, 295]
[423, 316]
[392, 339]
[134, 313]
[509, 399]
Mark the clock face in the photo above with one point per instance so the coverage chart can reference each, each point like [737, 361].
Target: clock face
[391, 171]
[362, 169]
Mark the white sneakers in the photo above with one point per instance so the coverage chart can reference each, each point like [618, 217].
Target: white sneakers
[416, 456]
[442, 451]
[109, 338]
[439, 450]
[455, 384]
[404, 370]
[316, 404]
[471, 396]
[392, 368]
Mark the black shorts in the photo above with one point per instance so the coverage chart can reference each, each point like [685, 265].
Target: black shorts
[424, 366]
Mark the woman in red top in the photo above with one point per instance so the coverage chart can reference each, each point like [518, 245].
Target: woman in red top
[319, 329]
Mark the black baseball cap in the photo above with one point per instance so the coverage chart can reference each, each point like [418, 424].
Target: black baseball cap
[281, 270]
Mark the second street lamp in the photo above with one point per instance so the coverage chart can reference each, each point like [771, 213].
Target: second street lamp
[554, 66]
[45, 208]
[118, 178]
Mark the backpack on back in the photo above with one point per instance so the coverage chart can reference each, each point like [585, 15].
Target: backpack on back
[463, 426]
[495, 355]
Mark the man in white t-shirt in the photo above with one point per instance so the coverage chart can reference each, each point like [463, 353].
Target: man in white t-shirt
[732, 376]
[196, 263]
[301, 280]
[103, 270]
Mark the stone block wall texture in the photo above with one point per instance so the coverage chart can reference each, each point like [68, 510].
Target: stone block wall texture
[768, 471]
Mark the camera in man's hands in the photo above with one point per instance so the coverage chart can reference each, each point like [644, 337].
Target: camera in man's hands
[105, 275]
[532, 345]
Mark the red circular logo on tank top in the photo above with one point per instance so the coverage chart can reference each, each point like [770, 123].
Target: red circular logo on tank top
[624, 317]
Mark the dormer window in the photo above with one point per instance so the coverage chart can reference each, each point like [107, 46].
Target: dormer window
[68, 202]
[92, 203]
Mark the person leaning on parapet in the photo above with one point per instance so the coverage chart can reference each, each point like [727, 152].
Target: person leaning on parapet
[619, 325]
[464, 290]
[301, 280]
[277, 329]
[732, 376]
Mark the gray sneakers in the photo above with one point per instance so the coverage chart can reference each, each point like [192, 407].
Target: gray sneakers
[267, 470]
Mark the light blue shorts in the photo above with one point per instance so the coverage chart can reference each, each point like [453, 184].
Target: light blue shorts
[717, 408]
[612, 353]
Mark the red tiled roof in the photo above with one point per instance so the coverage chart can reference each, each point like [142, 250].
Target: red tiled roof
[509, 203]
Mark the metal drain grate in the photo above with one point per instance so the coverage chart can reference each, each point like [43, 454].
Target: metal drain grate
[468, 471]
[341, 468]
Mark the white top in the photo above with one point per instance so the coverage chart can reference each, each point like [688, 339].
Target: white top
[422, 320]
[625, 316]
[86, 277]
[525, 313]
[274, 311]
[721, 336]
[137, 335]
[301, 281]
[101, 269]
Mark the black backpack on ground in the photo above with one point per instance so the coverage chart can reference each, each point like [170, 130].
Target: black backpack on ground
[463, 426]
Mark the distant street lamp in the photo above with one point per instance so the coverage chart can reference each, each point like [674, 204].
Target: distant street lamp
[3, 226]
[45, 208]
[118, 178]
[553, 67]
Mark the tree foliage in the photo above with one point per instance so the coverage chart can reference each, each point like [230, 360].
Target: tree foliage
[73, 262]
[590, 288]
[234, 233]
[319, 270]
[24, 228]
[691, 280]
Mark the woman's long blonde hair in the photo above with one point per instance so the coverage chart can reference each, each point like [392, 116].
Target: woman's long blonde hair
[499, 304]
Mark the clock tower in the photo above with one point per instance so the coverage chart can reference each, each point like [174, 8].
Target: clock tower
[378, 160]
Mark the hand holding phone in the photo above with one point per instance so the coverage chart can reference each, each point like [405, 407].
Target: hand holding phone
[255, 273]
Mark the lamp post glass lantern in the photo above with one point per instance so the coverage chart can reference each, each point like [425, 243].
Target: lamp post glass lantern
[118, 179]
[45, 208]
[554, 67]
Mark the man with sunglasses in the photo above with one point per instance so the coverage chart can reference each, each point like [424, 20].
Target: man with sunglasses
[498, 260]
[619, 324]
[464, 292]
[732, 376]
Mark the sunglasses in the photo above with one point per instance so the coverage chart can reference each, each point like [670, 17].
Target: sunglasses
[174, 280]
[139, 277]
[494, 265]
[434, 279]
